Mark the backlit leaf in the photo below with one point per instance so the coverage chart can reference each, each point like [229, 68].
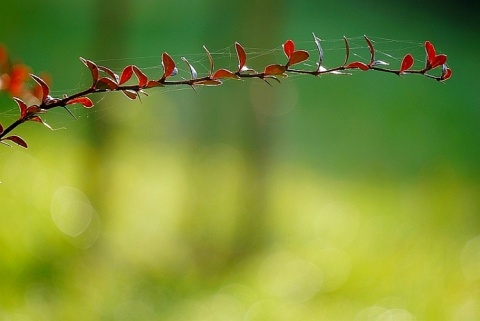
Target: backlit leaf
[142, 78]
[430, 51]
[109, 72]
[85, 101]
[193, 72]
[297, 57]
[43, 85]
[210, 60]
[242, 56]
[130, 94]
[372, 50]
[320, 51]
[22, 106]
[274, 69]
[93, 69]
[446, 72]
[359, 65]
[439, 60]
[407, 63]
[168, 65]
[39, 120]
[126, 75]
[347, 50]
[106, 83]
[224, 73]
[288, 48]
[17, 140]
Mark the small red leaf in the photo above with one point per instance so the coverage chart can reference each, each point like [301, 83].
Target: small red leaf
[407, 63]
[109, 72]
[446, 73]
[130, 94]
[288, 48]
[439, 60]
[93, 69]
[1, 127]
[168, 65]
[34, 109]
[193, 72]
[85, 101]
[274, 70]
[242, 56]
[224, 73]
[297, 57]
[39, 120]
[372, 50]
[106, 83]
[210, 59]
[430, 50]
[126, 75]
[347, 50]
[22, 106]
[17, 140]
[359, 65]
[43, 85]
[142, 78]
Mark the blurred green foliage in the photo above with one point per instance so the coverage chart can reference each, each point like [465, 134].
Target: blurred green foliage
[339, 198]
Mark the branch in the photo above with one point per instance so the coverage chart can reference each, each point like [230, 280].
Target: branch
[105, 80]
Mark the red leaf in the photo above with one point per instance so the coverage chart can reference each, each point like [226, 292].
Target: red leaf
[39, 120]
[359, 65]
[168, 65]
[93, 69]
[347, 50]
[274, 70]
[446, 73]
[407, 63]
[288, 48]
[242, 56]
[1, 127]
[126, 75]
[193, 72]
[106, 83]
[109, 72]
[34, 109]
[43, 85]
[210, 59]
[438, 61]
[372, 50]
[22, 106]
[297, 57]
[17, 140]
[142, 78]
[224, 73]
[430, 50]
[130, 94]
[85, 101]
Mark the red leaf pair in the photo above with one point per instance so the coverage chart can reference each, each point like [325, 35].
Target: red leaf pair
[294, 56]
[129, 71]
[433, 60]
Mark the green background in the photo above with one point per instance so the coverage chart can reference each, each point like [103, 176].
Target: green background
[332, 198]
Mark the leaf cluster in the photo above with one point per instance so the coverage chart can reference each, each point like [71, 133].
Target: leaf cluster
[132, 81]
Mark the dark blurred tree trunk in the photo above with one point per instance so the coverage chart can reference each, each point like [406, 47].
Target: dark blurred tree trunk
[108, 40]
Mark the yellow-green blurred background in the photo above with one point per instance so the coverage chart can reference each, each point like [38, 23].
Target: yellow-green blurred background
[333, 198]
